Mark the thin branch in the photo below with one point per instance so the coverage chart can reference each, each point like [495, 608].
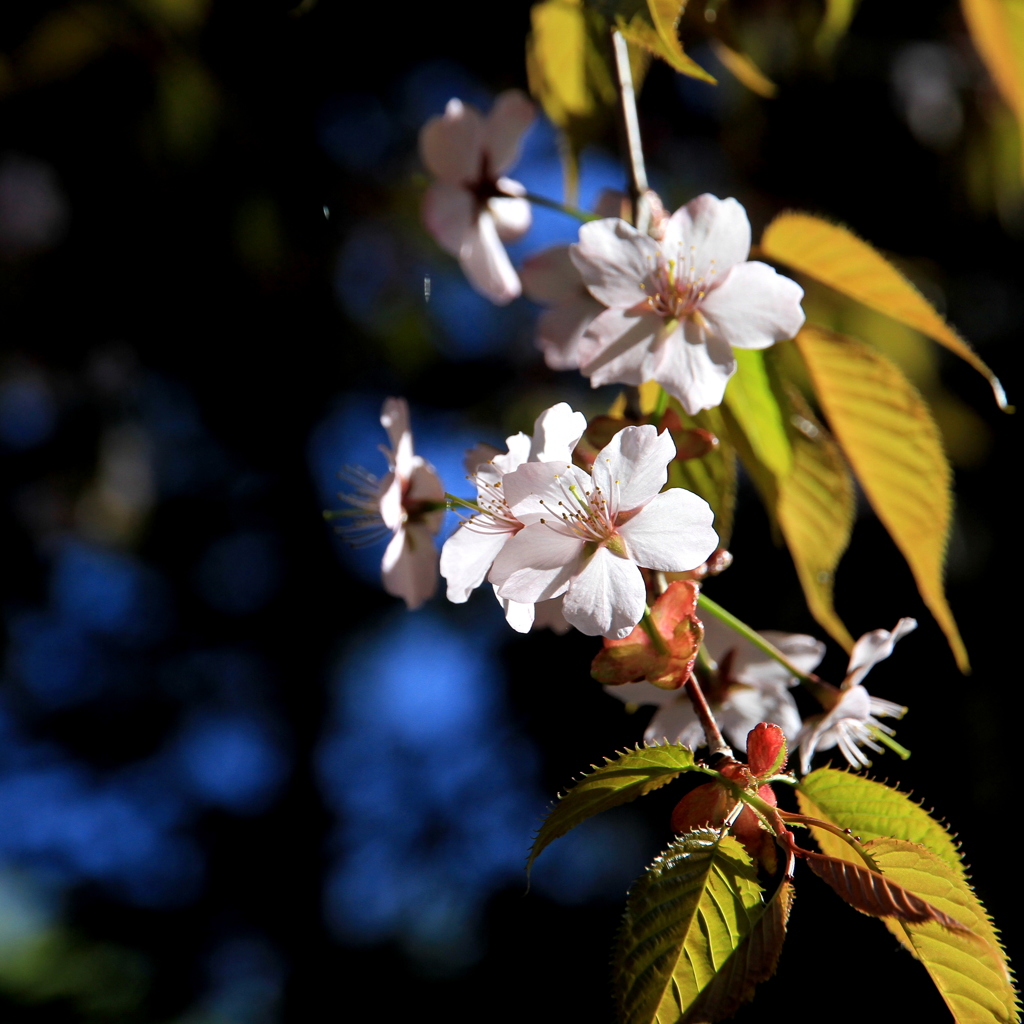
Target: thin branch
[716, 742]
[634, 147]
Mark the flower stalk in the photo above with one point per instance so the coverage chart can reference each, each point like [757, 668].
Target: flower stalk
[717, 747]
[631, 122]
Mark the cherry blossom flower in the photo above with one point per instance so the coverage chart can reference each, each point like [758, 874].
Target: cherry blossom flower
[678, 305]
[853, 721]
[408, 502]
[468, 554]
[751, 688]
[472, 208]
[586, 536]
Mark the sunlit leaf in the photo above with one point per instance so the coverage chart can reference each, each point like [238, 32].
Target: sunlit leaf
[744, 70]
[838, 258]
[815, 511]
[838, 15]
[997, 30]
[750, 399]
[653, 25]
[969, 970]
[873, 893]
[622, 778]
[870, 809]
[894, 447]
[685, 920]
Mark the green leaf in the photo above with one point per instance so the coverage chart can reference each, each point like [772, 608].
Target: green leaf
[751, 401]
[969, 970]
[815, 511]
[887, 433]
[838, 258]
[838, 15]
[622, 778]
[871, 809]
[685, 920]
[653, 24]
[713, 477]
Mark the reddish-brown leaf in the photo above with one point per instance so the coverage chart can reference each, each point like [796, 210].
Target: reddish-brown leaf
[635, 657]
[871, 893]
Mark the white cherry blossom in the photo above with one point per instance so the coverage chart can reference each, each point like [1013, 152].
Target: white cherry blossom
[468, 554]
[471, 209]
[853, 721]
[586, 536]
[405, 502]
[752, 688]
[677, 306]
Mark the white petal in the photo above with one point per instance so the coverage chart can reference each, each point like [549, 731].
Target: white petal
[673, 533]
[556, 432]
[754, 307]
[449, 212]
[424, 483]
[607, 598]
[536, 564]
[616, 347]
[477, 457]
[391, 510]
[506, 124]
[676, 723]
[519, 616]
[549, 615]
[512, 217]
[874, 647]
[713, 234]
[486, 264]
[452, 144]
[692, 371]
[467, 556]
[614, 259]
[394, 418]
[752, 666]
[518, 446]
[633, 466]
[744, 708]
[540, 490]
[642, 693]
[560, 331]
[550, 277]
[823, 732]
[409, 567]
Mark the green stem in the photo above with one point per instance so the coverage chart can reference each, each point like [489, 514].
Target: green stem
[451, 502]
[652, 631]
[886, 740]
[553, 204]
[661, 406]
[825, 693]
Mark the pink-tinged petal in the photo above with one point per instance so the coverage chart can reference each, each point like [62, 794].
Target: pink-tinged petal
[692, 371]
[452, 144]
[540, 490]
[874, 647]
[556, 432]
[449, 212]
[394, 418]
[560, 331]
[676, 723]
[504, 128]
[512, 217]
[391, 510]
[549, 615]
[633, 467]
[713, 234]
[467, 556]
[744, 708]
[536, 564]
[643, 693]
[486, 264]
[477, 457]
[424, 483]
[754, 307]
[518, 446]
[550, 277]
[409, 568]
[607, 598]
[616, 347]
[612, 203]
[752, 666]
[673, 533]
[614, 260]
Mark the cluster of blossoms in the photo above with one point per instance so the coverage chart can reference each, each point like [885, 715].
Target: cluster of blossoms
[569, 536]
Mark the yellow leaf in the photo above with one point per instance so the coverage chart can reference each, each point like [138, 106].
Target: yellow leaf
[895, 449]
[653, 25]
[815, 512]
[745, 70]
[838, 258]
[997, 29]
[838, 15]
[750, 399]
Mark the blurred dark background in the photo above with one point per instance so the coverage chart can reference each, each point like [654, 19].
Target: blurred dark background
[238, 783]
